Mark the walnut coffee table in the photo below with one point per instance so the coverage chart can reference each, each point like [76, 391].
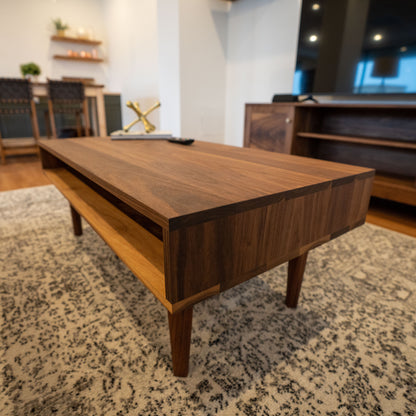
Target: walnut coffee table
[193, 221]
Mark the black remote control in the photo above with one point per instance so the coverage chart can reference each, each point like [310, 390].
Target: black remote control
[181, 140]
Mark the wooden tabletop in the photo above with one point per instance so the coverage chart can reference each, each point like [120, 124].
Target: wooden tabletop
[176, 185]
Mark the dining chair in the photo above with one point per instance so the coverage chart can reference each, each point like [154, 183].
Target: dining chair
[15, 99]
[67, 98]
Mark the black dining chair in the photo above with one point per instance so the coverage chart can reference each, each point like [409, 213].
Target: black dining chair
[67, 98]
[15, 99]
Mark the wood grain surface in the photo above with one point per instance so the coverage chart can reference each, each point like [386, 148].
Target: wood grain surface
[182, 185]
[232, 249]
[267, 128]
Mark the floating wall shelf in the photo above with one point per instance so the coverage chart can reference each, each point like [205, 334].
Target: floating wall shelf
[77, 58]
[76, 40]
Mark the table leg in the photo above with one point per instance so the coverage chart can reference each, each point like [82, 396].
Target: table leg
[180, 328]
[76, 221]
[294, 279]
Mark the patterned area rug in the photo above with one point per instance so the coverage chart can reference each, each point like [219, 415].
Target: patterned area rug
[80, 335]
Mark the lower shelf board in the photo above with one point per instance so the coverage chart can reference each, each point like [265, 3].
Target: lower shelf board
[395, 188]
[359, 140]
[140, 251]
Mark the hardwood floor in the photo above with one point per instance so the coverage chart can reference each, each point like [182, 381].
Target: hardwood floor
[21, 172]
[25, 171]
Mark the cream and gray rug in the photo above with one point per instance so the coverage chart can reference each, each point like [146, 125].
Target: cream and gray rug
[80, 335]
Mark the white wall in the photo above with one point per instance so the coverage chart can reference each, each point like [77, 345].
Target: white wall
[262, 44]
[181, 49]
[25, 31]
[203, 61]
[169, 66]
[133, 54]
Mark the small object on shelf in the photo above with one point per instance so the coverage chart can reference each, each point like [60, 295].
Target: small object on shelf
[60, 27]
[81, 33]
[82, 54]
[94, 53]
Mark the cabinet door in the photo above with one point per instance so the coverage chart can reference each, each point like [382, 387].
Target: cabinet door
[269, 127]
[112, 103]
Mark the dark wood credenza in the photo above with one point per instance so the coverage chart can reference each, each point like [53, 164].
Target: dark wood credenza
[379, 136]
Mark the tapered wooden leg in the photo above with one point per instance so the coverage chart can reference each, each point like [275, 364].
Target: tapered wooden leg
[180, 328]
[294, 279]
[76, 221]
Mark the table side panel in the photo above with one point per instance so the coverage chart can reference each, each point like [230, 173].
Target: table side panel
[235, 248]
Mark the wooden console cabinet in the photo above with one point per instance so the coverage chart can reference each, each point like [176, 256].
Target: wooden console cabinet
[379, 136]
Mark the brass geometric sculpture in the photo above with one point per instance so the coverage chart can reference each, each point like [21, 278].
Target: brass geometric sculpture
[148, 126]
